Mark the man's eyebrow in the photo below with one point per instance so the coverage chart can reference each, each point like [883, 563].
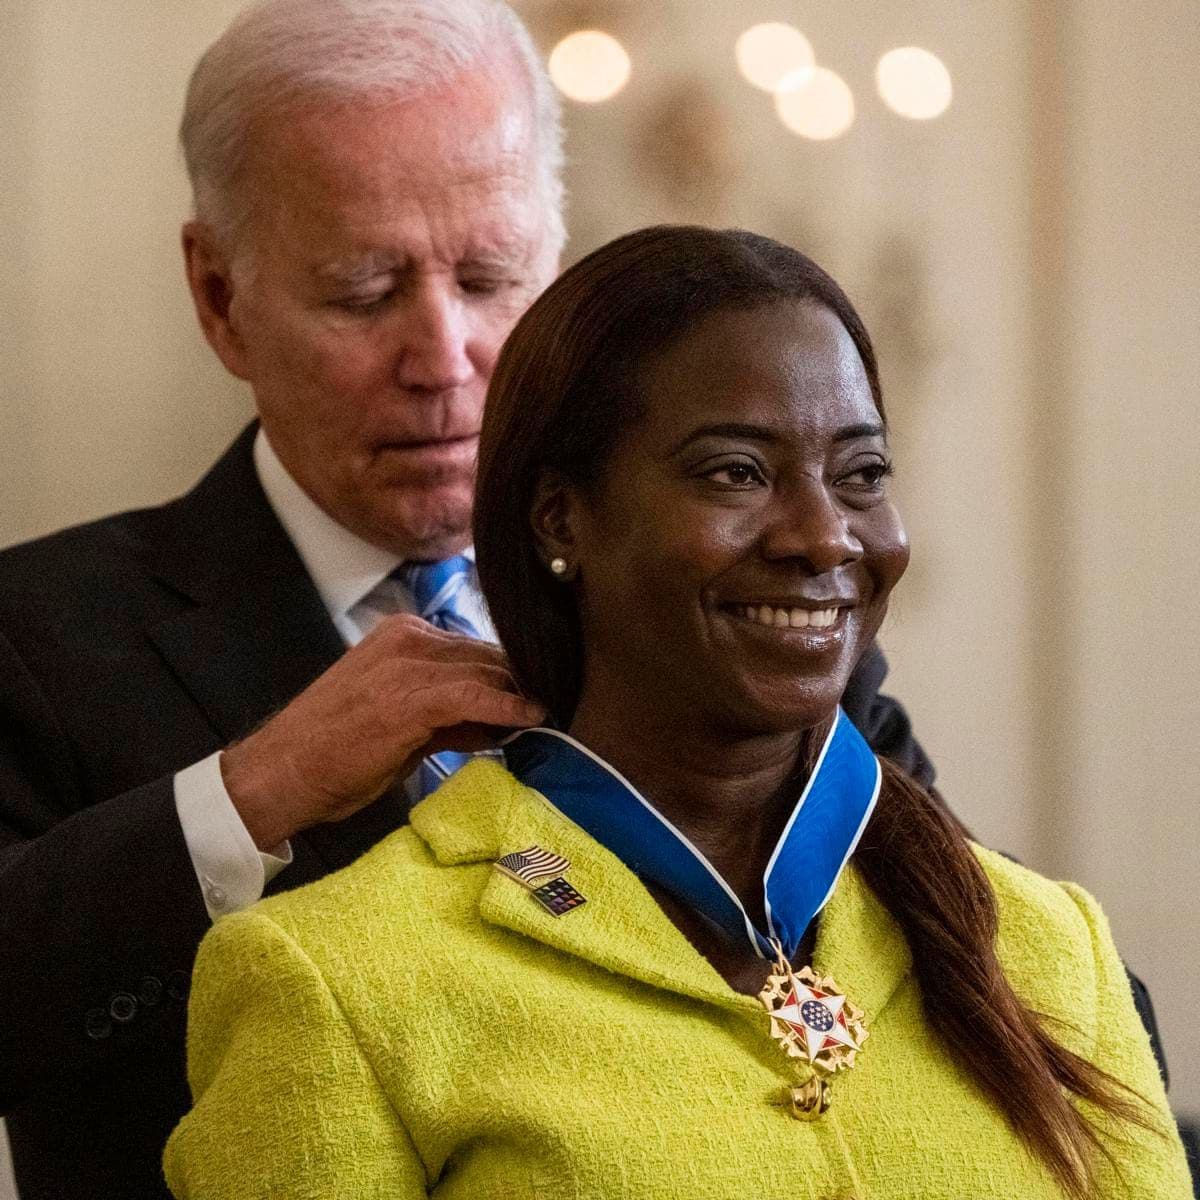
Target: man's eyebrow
[351, 271]
[357, 270]
[492, 260]
[768, 434]
[499, 253]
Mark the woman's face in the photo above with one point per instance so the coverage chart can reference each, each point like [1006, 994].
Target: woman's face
[735, 559]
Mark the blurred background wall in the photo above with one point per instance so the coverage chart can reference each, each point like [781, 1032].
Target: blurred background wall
[1029, 263]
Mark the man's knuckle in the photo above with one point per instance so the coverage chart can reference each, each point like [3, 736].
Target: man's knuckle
[402, 626]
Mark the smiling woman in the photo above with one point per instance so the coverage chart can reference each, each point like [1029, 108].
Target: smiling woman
[739, 552]
[696, 906]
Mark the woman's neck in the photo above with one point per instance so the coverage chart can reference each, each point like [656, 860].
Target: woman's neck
[730, 795]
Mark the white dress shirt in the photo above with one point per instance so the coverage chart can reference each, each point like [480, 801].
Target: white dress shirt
[231, 870]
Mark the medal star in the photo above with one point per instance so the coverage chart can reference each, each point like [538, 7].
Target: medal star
[817, 1019]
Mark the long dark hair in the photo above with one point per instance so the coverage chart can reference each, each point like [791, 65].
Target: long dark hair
[565, 387]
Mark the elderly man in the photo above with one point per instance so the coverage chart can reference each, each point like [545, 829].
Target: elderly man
[181, 723]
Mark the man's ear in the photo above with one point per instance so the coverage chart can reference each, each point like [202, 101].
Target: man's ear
[556, 516]
[210, 278]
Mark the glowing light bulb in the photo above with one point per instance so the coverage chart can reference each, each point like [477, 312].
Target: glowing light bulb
[914, 83]
[589, 66]
[820, 107]
[768, 54]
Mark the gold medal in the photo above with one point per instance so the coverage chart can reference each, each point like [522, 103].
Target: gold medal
[813, 1021]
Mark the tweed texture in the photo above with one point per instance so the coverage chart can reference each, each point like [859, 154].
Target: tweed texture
[417, 1025]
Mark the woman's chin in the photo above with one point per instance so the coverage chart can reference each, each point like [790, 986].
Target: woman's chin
[779, 711]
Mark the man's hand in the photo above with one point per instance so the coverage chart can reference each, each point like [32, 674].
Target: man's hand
[405, 690]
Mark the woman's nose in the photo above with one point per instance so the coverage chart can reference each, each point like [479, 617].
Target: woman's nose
[433, 355]
[812, 526]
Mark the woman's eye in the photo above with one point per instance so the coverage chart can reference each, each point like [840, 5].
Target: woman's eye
[736, 474]
[868, 477]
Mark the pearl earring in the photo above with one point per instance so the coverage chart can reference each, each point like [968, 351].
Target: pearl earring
[558, 566]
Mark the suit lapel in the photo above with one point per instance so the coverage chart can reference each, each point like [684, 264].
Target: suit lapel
[621, 927]
[482, 813]
[238, 663]
[253, 632]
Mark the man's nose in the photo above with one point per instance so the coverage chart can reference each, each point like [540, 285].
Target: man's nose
[433, 354]
[811, 525]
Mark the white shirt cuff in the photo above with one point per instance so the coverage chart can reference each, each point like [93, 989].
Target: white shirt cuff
[230, 868]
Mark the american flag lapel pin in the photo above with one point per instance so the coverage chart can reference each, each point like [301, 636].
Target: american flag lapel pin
[542, 874]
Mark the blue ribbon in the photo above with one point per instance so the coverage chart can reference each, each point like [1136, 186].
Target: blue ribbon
[821, 834]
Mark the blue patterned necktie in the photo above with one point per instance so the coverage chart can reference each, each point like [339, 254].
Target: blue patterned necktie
[436, 589]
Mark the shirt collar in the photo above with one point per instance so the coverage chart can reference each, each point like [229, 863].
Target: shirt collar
[342, 565]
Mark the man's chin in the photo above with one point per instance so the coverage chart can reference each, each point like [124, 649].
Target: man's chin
[426, 528]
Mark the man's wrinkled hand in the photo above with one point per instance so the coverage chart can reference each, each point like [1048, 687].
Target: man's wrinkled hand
[405, 690]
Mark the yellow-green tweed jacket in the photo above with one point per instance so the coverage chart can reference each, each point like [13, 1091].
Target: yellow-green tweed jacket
[418, 1025]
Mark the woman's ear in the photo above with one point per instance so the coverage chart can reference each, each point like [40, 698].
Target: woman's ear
[555, 516]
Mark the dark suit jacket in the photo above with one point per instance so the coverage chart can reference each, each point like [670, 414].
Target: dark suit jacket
[130, 648]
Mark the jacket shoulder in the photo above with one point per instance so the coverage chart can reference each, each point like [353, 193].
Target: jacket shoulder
[59, 560]
[1053, 942]
[71, 602]
[113, 555]
[1025, 896]
[387, 896]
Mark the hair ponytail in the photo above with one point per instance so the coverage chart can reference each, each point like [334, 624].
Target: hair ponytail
[916, 859]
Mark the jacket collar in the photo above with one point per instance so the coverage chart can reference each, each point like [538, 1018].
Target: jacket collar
[482, 813]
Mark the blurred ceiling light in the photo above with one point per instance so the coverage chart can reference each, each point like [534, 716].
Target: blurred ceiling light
[820, 107]
[589, 66]
[914, 83]
[767, 54]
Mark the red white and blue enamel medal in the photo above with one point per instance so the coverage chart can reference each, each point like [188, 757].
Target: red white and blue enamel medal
[813, 1021]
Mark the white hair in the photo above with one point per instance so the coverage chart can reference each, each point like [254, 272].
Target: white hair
[279, 51]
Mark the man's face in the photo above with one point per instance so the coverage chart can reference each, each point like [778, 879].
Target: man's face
[391, 251]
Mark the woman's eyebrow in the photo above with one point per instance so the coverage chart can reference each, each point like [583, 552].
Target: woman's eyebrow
[729, 429]
[865, 429]
[768, 434]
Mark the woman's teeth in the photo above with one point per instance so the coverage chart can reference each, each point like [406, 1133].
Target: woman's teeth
[789, 618]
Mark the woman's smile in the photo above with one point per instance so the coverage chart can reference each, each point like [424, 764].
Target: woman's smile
[791, 618]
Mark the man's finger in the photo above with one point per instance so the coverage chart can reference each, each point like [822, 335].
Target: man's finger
[418, 686]
[474, 702]
[413, 637]
[469, 737]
